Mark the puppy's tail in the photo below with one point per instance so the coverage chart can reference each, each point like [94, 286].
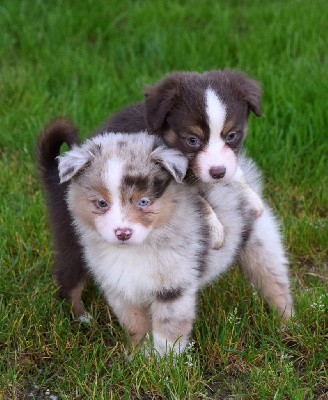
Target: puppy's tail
[69, 263]
[57, 133]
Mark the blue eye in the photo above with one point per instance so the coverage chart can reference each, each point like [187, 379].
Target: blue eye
[143, 202]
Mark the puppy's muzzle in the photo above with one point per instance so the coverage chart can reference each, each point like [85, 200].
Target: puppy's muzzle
[123, 233]
[217, 172]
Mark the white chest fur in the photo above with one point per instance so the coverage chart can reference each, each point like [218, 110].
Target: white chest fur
[138, 272]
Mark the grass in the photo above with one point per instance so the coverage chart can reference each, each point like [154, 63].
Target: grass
[85, 60]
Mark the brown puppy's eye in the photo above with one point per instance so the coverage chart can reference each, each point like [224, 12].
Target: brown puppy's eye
[193, 141]
[231, 137]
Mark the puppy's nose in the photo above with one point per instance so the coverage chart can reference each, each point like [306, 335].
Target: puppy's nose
[217, 172]
[123, 233]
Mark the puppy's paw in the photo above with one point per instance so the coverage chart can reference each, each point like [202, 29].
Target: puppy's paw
[259, 209]
[216, 230]
[252, 197]
[217, 235]
[256, 202]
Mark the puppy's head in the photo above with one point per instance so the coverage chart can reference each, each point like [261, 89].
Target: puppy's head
[205, 117]
[121, 185]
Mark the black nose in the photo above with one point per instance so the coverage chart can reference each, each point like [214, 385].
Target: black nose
[123, 233]
[217, 172]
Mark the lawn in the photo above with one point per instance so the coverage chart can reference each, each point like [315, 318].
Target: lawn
[88, 59]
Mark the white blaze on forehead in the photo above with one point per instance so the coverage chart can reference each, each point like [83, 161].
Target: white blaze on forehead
[216, 153]
[112, 178]
[216, 112]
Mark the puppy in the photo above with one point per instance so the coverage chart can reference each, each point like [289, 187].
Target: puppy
[143, 232]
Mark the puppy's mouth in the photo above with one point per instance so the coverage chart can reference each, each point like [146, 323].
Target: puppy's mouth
[129, 242]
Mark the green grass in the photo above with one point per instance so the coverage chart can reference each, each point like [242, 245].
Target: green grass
[87, 59]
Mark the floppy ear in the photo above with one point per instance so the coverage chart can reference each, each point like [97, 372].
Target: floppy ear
[249, 90]
[172, 160]
[159, 101]
[74, 160]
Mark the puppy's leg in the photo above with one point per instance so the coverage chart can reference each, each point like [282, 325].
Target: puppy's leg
[172, 320]
[253, 199]
[71, 283]
[216, 229]
[69, 267]
[264, 262]
[136, 320]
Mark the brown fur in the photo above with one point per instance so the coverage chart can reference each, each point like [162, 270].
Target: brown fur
[75, 298]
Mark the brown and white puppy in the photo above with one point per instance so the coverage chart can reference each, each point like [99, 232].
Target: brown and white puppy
[205, 116]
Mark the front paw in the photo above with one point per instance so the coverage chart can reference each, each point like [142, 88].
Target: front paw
[216, 235]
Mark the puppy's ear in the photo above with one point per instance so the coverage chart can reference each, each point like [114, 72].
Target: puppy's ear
[249, 90]
[76, 159]
[172, 160]
[159, 101]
